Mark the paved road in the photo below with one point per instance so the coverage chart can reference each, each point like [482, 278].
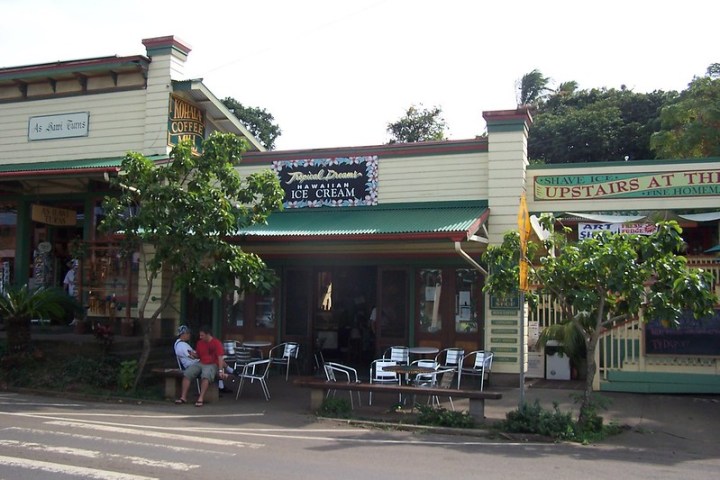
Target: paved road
[44, 437]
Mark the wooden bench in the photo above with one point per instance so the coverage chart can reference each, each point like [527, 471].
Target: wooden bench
[173, 385]
[319, 386]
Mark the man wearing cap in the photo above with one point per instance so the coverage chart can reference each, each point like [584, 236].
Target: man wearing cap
[210, 353]
[186, 356]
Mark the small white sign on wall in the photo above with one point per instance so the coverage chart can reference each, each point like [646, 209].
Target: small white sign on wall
[62, 125]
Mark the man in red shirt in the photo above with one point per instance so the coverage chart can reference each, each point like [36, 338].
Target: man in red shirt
[211, 365]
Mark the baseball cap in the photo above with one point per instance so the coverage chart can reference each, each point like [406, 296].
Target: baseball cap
[183, 329]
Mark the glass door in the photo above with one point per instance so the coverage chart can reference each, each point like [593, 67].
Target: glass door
[390, 317]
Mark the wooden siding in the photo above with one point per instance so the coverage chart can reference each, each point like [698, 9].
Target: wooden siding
[433, 178]
[117, 124]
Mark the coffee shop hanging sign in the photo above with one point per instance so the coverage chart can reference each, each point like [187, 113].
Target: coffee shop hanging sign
[332, 182]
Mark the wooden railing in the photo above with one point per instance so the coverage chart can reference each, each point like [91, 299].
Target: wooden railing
[620, 345]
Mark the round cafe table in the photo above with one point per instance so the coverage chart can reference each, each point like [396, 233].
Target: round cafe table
[257, 345]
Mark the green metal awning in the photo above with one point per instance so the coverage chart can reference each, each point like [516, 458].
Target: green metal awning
[453, 220]
[66, 166]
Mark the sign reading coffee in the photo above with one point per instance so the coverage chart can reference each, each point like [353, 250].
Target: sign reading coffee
[186, 122]
[331, 182]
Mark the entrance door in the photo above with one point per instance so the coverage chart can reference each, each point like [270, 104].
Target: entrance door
[297, 319]
[391, 315]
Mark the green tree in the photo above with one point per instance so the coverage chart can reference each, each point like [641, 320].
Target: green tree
[418, 125]
[690, 125]
[257, 120]
[532, 88]
[602, 280]
[596, 125]
[19, 305]
[179, 217]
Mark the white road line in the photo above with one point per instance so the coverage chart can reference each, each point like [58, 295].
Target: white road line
[83, 472]
[146, 433]
[117, 441]
[79, 452]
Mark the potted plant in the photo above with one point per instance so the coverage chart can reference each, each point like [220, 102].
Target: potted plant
[19, 305]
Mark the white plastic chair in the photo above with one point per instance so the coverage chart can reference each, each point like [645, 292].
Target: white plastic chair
[333, 369]
[451, 358]
[378, 375]
[257, 370]
[290, 351]
[398, 354]
[481, 365]
[424, 378]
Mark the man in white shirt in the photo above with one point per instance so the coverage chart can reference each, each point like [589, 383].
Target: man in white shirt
[183, 351]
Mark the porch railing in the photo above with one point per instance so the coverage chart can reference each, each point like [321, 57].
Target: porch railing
[620, 346]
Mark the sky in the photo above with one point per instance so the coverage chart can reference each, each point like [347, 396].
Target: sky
[334, 73]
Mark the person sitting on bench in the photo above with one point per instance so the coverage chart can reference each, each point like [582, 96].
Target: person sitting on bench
[211, 364]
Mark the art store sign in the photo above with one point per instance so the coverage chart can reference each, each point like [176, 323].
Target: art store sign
[588, 230]
[333, 182]
[689, 183]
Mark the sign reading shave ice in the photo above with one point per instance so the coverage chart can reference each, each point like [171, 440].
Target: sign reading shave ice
[689, 183]
[331, 182]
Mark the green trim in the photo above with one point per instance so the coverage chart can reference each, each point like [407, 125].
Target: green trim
[508, 127]
[79, 164]
[634, 163]
[389, 219]
[660, 382]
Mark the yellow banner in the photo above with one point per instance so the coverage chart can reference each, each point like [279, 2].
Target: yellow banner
[53, 216]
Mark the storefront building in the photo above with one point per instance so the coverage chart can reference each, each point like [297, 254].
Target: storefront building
[64, 130]
[376, 246]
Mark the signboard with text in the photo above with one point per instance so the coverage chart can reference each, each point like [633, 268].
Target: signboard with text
[185, 122]
[61, 125]
[331, 182]
[689, 183]
[53, 215]
[588, 230]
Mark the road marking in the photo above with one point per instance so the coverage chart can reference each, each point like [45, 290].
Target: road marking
[80, 452]
[111, 428]
[119, 441]
[83, 472]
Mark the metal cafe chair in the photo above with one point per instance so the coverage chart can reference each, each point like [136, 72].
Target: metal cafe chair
[451, 358]
[378, 375]
[481, 365]
[284, 354]
[332, 370]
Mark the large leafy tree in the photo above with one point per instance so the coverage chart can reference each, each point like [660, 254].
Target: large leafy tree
[257, 120]
[602, 280]
[419, 124]
[179, 217]
[597, 125]
[690, 125]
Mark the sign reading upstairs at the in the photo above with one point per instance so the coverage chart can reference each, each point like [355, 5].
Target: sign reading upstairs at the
[690, 183]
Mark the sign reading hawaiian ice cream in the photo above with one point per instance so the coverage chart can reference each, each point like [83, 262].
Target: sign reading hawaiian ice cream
[332, 182]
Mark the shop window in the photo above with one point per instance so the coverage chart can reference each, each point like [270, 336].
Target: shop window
[235, 309]
[265, 314]
[8, 233]
[467, 292]
[430, 317]
[109, 279]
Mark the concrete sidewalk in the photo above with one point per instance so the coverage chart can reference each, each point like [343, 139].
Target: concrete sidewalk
[676, 422]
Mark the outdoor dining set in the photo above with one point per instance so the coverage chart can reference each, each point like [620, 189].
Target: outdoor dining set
[397, 368]
[249, 363]
[419, 366]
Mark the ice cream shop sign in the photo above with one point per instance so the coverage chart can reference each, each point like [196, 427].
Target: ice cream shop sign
[333, 182]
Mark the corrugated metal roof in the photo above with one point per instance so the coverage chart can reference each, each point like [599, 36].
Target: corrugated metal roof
[388, 219]
[82, 164]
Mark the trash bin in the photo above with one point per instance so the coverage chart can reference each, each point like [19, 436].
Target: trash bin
[557, 363]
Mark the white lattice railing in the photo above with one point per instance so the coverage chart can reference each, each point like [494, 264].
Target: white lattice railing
[620, 346]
